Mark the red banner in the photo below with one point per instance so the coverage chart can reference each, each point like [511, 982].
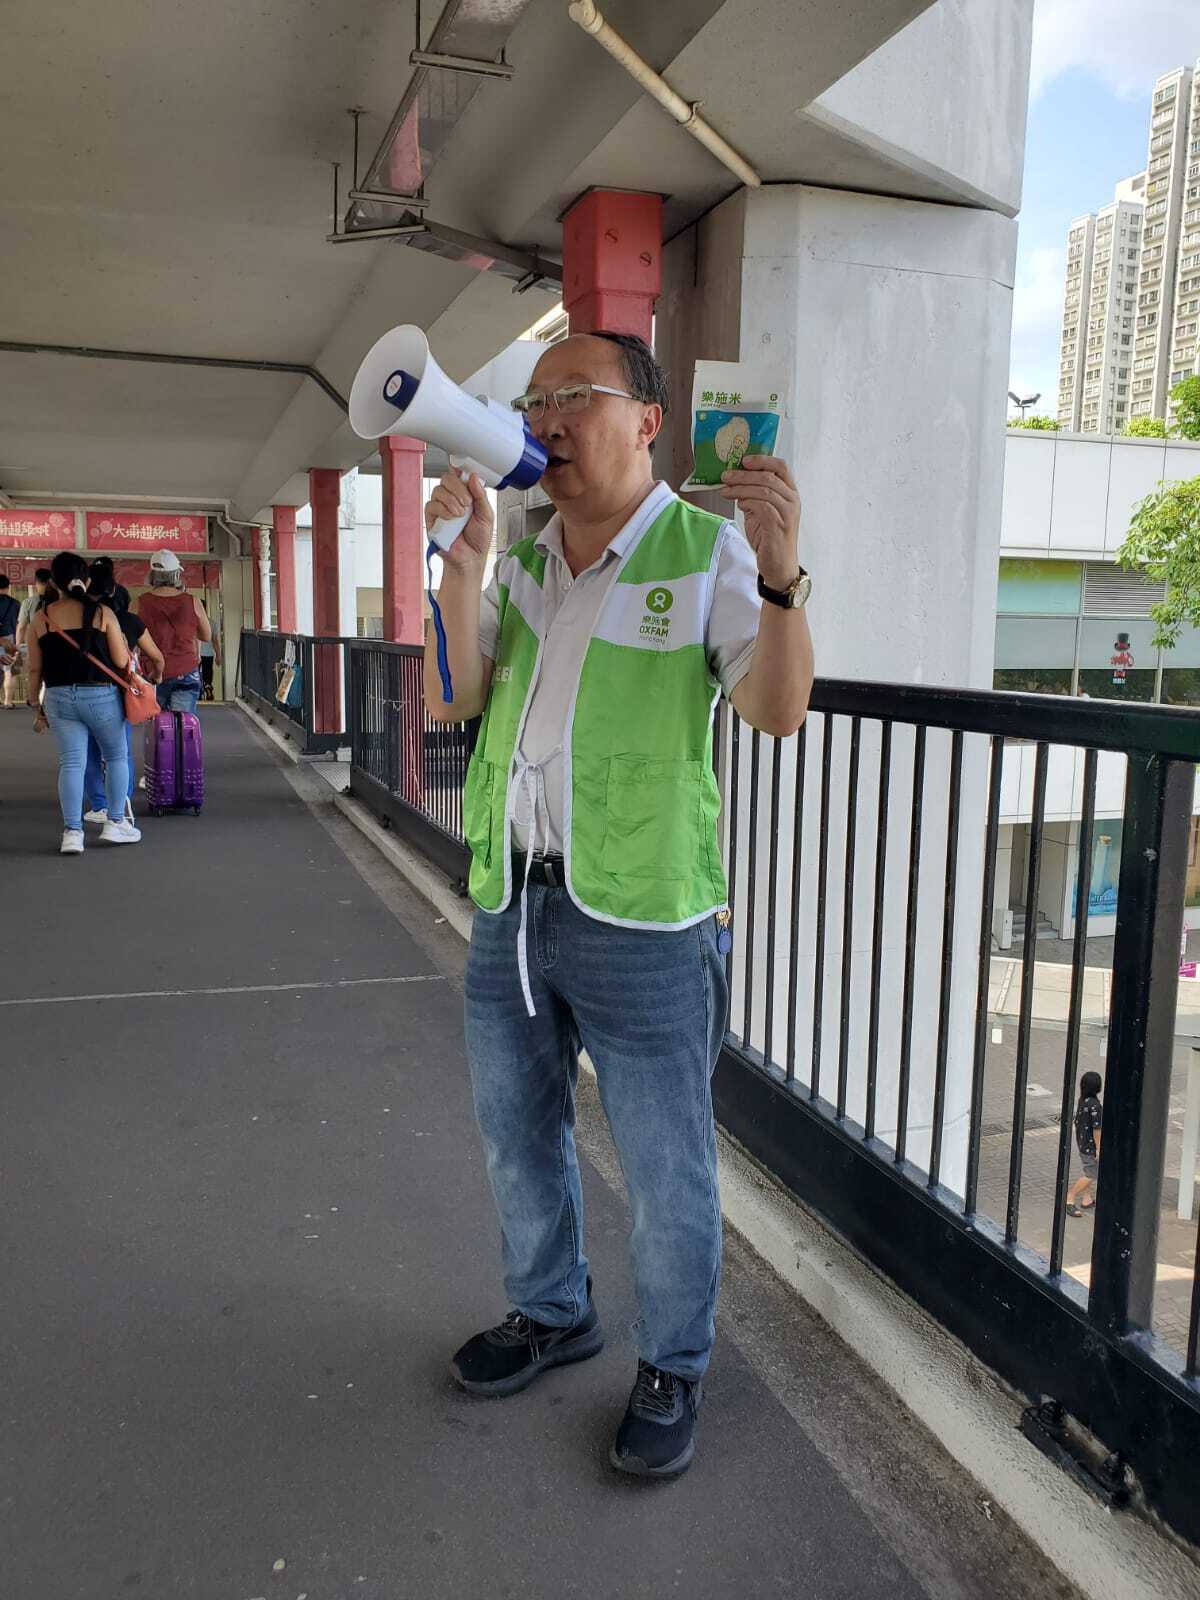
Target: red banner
[146, 531]
[37, 530]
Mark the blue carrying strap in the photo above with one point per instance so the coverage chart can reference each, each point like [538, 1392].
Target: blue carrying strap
[439, 627]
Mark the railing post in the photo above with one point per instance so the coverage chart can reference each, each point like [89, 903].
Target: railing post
[1141, 1038]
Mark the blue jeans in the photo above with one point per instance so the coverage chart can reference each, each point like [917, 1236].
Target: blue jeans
[649, 1008]
[74, 711]
[93, 777]
[180, 694]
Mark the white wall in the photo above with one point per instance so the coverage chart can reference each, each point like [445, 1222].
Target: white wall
[1072, 494]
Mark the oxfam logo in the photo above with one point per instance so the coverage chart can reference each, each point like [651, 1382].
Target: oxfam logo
[660, 600]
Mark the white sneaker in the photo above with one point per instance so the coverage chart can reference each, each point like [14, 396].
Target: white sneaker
[95, 816]
[72, 842]
[120, 833]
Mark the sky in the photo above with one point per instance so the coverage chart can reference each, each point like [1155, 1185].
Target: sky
[1094, 67]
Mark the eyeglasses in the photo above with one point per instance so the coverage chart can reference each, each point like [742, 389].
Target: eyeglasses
[570, 400]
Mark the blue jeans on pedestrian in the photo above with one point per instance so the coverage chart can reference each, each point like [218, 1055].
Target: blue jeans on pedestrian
[74, 711]
[94, 791]
[180, 694]
[649, 1008]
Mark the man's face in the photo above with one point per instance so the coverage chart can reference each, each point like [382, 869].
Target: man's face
[40, 585]
[598, 450]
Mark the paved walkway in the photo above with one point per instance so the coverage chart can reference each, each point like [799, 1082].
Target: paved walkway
[246, 1222]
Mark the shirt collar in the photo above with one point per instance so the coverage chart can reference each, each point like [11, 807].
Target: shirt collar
[549, 541]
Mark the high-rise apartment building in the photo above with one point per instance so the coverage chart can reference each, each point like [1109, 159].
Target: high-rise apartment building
[1099, 311]
[1131, 309]
[1165, 346]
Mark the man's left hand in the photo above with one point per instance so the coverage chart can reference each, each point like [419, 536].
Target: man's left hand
[764, 489]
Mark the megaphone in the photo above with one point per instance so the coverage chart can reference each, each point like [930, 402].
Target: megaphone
[399, 388]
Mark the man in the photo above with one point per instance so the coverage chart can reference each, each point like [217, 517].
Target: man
[595, 658]
[9, 614]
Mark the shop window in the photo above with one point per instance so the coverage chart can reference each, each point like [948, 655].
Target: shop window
[1033, 680]
[1117, 660]
[1039, 588]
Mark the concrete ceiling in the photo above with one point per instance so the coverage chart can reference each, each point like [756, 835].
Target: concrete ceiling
[166, 188]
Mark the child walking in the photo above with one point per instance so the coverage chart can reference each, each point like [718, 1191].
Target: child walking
[1088, 1116]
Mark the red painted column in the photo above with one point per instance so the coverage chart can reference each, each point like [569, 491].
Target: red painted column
[612, 262]
[404, 594]
[324, 493]
[256, 576]
[403, 539]
[284, 540]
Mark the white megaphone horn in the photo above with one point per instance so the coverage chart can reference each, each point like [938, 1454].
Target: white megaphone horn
[399, 388]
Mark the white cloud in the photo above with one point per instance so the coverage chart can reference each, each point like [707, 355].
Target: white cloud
[1127, 44]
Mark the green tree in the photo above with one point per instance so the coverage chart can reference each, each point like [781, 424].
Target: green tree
[1163, 543]
[1185, 397]
[1145, 428]
[1041, 424]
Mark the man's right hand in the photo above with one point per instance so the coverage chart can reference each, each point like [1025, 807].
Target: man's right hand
[453, 496]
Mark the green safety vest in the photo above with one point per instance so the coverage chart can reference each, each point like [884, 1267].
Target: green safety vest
[640, 798]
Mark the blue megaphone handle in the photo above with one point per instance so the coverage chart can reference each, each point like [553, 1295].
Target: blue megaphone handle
[439, 628]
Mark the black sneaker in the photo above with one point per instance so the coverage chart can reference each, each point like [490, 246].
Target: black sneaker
[656, 1437]
[506, 1359]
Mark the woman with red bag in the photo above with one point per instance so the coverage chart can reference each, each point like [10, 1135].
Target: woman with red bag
[76, 647]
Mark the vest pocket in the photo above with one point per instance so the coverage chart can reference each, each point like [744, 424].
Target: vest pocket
[653, 821]
[477, 808]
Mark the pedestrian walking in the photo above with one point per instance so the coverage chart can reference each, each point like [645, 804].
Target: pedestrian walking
[103, 585]
[1088, 1116]
[178, 622]
[71, 643]
[595, 657]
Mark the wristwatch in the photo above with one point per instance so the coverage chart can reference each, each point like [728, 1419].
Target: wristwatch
[791, 598]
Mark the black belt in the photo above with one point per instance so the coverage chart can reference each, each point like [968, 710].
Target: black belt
[549, 871]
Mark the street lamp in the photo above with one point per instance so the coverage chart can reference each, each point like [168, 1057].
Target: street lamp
[1021, 404]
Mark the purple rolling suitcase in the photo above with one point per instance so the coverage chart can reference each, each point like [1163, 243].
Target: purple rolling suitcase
[174, 763]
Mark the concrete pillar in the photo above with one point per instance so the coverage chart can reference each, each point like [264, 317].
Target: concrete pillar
[888, 320]
[284, 536]
[324, 490]
[403, 539]
[612, 262]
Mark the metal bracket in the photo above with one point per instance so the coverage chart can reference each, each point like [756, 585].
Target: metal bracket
[472, 64]
[1105, 1476]
[388, 197]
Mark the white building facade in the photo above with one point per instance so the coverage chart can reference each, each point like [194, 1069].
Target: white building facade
[1071, 622]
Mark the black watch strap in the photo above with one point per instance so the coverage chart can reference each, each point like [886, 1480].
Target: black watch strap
[794, 595]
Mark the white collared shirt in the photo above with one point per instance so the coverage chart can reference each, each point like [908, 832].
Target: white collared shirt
[571, 607]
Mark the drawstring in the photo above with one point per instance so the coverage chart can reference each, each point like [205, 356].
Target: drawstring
[531, 781]
[439, 627]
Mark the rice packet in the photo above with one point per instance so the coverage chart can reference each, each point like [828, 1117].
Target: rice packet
[736, 412]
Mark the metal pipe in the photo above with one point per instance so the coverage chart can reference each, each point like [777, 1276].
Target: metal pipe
[94, 353]
[687, 116]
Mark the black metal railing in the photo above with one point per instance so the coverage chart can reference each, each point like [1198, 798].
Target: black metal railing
[406, 767]
[299, 683]
[861, 1063]
[858, 1065]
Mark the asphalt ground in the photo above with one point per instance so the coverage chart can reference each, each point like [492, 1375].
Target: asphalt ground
[245, 1223]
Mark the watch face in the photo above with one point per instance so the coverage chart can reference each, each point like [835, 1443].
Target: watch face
[802, 589]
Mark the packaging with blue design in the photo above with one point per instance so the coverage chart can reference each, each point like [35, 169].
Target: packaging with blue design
[736, 411]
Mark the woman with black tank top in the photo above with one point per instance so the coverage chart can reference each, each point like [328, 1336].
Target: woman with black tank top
[66, 641]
